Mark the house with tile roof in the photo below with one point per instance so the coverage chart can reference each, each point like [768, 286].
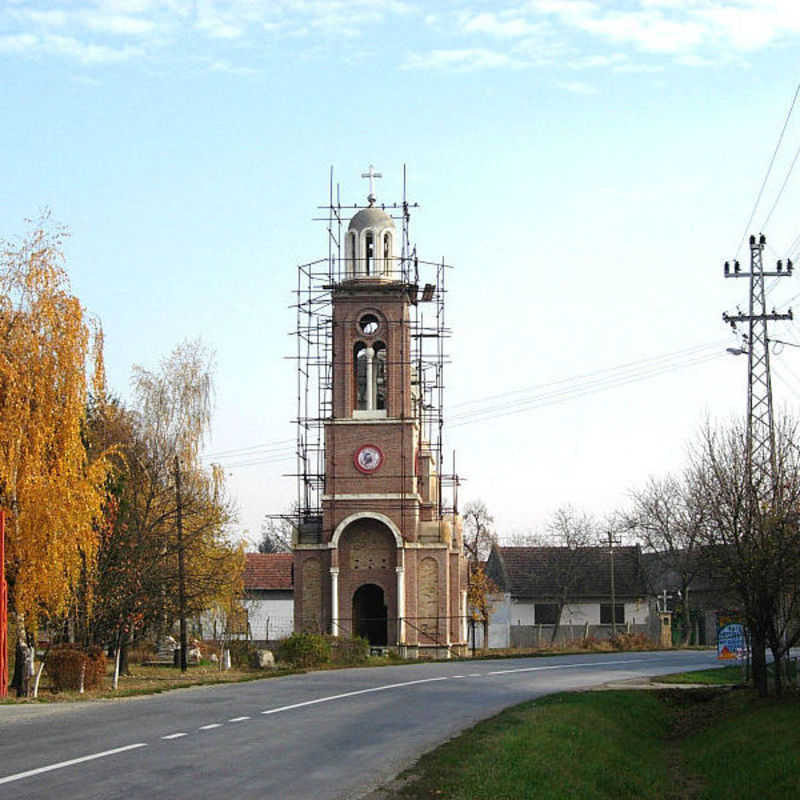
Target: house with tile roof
[535, 583]
[269, 595]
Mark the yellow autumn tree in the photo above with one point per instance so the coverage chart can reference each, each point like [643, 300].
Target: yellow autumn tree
[51, 491]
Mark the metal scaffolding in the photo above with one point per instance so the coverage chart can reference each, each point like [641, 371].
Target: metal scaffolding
[424, 283]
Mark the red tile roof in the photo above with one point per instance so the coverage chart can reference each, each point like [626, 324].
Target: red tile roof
[268, 571]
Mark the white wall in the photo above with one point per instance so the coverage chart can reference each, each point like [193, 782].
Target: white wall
[270, 614]
[521, 612]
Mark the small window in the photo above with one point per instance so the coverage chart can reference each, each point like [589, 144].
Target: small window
[387, 253]
[380, 375]
[353, 254]
[545, 613]
[605, 613]
[369, 324]
[370, 254]
[360, 368]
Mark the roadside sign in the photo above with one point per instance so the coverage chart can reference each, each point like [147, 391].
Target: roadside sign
[731, 637]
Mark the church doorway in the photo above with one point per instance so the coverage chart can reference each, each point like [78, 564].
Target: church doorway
[370, 615]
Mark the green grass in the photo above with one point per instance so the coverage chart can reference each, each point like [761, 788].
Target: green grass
[702, 744]
[732, 673]
[603, 745]
[752, 751]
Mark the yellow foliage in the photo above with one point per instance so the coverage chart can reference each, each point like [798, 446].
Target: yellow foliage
[54, 494]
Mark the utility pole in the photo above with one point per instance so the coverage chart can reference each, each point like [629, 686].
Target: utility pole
[611, 542]
[760, 422]
[181, 564]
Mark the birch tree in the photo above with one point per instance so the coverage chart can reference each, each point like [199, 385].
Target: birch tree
[52, 490]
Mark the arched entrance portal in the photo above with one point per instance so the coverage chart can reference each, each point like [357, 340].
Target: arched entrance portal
[370, 614]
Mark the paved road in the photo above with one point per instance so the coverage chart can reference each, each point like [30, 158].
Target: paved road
[321, 736]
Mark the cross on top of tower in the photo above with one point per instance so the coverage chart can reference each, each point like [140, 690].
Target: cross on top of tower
[371, 174]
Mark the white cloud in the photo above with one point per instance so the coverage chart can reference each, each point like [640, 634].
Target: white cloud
[18, 43]
[120, 24]
[228, 68]
[501, 26]
[634, 68]
[593, 62]
[679, 26]
[577, 87]
[85, 52]
[571, 34]
[50, 17]
[693, 60]
[467, 59]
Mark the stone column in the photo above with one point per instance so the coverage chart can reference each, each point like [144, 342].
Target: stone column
[401, 605]
[335, 601]
[370, 356]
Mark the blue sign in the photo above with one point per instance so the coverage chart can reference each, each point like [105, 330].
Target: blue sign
[731, 642]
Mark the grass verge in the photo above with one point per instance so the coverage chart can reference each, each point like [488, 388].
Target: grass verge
[619, 744]
[716, 676]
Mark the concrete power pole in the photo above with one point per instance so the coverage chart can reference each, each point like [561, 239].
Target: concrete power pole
[760, 421]
[612, 541]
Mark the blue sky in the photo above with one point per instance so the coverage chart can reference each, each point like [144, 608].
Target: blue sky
[586, 166]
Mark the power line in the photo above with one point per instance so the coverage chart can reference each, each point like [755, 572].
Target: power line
[241, 451]
[572, 393]
[584, 376]
[783, 186]
[544, 394]
[769, 170]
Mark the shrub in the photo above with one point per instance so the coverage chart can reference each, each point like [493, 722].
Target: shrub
[348, 652]
[593, 643]
[95, 668]
[66, 662]
[305, 650]
[631, 641]
[243, 653]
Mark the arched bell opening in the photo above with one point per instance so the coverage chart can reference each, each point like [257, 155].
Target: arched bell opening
[370, 614]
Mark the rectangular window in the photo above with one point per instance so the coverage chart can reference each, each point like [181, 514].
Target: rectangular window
[605, 613]
[545, 613]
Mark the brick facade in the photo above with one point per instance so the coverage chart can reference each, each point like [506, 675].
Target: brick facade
[380, 527]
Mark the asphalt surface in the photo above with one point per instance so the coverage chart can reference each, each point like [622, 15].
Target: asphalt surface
[322, 736]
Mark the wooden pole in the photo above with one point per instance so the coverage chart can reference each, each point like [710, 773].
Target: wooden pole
[181, 566]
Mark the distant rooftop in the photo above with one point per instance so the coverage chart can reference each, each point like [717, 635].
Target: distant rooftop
[264, 571]
[533, 572]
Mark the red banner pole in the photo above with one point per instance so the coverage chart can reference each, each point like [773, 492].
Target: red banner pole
[3, 609]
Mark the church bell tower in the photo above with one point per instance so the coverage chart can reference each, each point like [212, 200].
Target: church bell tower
[378, 549]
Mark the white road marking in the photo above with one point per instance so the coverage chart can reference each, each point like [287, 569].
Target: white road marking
[61, 764]
[566, 666]
[351, 694]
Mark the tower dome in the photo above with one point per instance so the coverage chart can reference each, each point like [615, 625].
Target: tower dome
[369, 244]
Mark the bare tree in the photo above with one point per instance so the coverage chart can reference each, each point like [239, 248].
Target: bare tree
[276, 533]
[669, 520]
[479, 537]
[570, 535]
[754, 536]
[479, 533]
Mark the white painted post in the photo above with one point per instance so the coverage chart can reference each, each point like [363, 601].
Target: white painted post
[401, 605]
[335, 597]
[464, 633]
